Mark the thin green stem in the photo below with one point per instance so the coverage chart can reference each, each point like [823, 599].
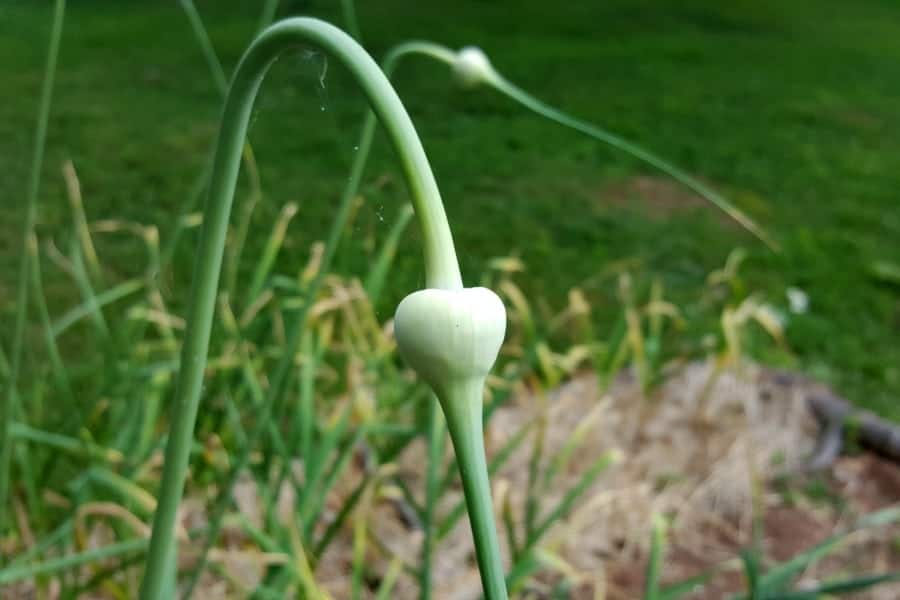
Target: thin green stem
[462, 406]
[432, 484]
[442, 269]
[37, 161]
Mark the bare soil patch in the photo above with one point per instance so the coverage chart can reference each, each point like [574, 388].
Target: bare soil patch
[657, 197]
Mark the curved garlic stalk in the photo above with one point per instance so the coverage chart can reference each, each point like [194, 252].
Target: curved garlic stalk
[442, 277]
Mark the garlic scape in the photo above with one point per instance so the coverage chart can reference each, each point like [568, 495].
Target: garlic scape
[452, 335]
[451, 338]
[472, 68]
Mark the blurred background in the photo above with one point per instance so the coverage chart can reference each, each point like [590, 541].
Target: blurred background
[788, 116]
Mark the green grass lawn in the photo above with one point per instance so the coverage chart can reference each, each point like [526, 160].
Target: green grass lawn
[792, 111]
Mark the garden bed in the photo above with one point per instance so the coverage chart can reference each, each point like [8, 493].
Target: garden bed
[723, 454]
[695, 450]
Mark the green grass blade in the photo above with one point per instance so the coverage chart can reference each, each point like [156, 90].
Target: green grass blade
[206, 47]
[60, 373]
[435, 439]
[306, 414]
[381, 267]
[66, 443]
[130, 494]
[270, 252]
[167, 252]
[56, 537]
[348, 7]
[337, 469]
[532, 494]
[314, 491]
[755, 589]
[335, 526]
[270, 7]
[847, 586]
[21, 572]
[24, 281]
[779, 577]
[655, 560]
[521, 570]
[509, 527]
[690, 585]
[360, 541]
[88, 295]
[389, 580]
[25, 461]
[214, 66]
[560, 460]
[80, 223]
[4, 364]
[85, 309]
[565, 505]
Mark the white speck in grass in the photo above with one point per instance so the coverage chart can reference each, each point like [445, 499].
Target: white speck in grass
[798, 300]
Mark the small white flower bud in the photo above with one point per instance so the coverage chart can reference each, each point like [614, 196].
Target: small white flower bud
[472, 67]
[450, 337]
